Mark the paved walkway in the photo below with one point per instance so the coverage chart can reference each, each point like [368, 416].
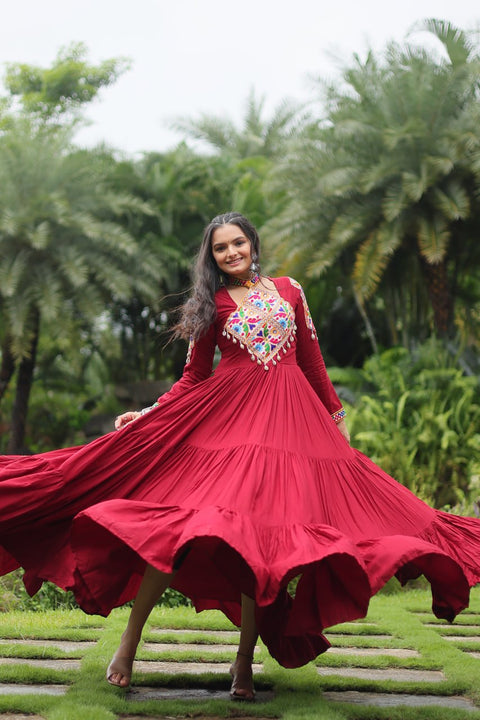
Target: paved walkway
[170, 652]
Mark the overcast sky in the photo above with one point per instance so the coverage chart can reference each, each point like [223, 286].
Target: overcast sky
[203, 56]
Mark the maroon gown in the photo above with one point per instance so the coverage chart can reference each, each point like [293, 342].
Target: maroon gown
[241, 481]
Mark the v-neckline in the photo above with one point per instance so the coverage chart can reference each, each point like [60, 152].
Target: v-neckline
[249, 290]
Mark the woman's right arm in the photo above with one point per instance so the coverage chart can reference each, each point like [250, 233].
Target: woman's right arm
[198, 367]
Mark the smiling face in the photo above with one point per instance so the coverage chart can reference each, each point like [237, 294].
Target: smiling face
[231, 250]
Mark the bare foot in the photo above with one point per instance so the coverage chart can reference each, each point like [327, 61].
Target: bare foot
[242, 679]
[119, 672]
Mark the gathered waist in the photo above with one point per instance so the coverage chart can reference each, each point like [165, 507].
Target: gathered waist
[226, 365]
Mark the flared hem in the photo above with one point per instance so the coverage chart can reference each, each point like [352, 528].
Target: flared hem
[217, 555]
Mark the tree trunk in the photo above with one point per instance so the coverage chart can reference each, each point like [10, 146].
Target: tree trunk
[440, 297]
[22, 394]
[7, 367]
[368, 325]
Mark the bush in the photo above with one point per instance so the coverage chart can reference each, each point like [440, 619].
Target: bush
[13, 596]
[418, 417]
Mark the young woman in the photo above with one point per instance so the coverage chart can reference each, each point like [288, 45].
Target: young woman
[231, 485]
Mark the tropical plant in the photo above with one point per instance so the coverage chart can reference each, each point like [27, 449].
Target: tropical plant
[255, 137]
[186, 190]
[388, 184]
[418, 417]
[63, 251]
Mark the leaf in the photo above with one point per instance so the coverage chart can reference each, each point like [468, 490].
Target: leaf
[433, 238]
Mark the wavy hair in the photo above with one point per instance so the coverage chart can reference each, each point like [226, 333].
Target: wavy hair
[199, 311]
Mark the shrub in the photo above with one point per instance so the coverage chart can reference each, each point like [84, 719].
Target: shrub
[418, 417]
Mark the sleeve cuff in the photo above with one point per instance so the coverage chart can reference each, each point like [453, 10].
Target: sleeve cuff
[339, 415]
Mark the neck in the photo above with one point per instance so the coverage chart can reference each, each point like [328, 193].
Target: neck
[244, 282]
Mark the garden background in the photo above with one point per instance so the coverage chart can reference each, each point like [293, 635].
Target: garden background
[371, 201]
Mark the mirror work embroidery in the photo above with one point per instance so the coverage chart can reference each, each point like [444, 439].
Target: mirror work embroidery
[263, 324]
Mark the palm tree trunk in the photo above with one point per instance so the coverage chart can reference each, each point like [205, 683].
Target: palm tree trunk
[440, 297]
[22, 394]
[368, 325]
[7, 367]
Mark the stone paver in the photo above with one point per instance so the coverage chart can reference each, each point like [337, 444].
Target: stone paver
[373, 651]
[191, 668]
[167, 717]
[65, 645]
[397, 674]
[456, 626]
[190, 647]
[19, 689]
[152, 693]
[49, 663]
[21, 716]
[234, 634]
[357, 639]
[225, 642]
[397, 699]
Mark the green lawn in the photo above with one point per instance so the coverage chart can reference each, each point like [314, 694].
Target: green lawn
[401, 617]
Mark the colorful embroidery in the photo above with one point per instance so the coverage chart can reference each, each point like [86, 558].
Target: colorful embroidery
[308, 317]
[264, 323]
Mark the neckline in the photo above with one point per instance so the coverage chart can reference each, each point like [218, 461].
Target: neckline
[249, 290]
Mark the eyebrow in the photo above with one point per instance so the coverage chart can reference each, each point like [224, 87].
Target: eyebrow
[219, 243]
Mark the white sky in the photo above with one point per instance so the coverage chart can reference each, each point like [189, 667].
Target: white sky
[203, 56]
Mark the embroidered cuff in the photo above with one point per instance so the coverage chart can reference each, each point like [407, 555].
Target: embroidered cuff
[338, 416]
[147, 409]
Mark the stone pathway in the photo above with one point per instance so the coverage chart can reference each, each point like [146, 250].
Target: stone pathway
[206, 651]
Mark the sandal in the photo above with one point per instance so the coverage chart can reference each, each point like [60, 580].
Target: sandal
[120, 666]
[242, 683]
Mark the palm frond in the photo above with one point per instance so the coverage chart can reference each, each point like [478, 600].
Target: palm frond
[455, 41]
[433, 237]
[453, 202]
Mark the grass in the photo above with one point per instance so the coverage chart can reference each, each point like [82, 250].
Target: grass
[402, 618]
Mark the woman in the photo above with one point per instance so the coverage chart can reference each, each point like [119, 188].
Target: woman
[231, 485]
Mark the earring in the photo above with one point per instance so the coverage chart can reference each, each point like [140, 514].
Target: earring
[254, 267]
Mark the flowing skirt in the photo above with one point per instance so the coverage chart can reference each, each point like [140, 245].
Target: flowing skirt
[240, 484]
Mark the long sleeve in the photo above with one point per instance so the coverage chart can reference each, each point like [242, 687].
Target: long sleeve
[309, 356]
[198, 365]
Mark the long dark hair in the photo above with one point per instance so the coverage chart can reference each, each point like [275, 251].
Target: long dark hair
[199, 311]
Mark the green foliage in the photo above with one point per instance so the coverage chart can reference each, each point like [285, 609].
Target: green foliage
[56, 419]
[388, 184]
[172, 598]
[13, 596]
[255, 138]
[420, 421]
[65, 86]
[64, 252]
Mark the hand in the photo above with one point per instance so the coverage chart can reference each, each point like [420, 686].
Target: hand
[126, 418]
[342, 426]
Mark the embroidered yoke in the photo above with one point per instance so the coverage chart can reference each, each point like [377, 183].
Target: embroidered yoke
[269, 325]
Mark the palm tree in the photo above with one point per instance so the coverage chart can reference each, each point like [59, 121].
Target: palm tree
[63, 251]
[389, 182]
[255, 137]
